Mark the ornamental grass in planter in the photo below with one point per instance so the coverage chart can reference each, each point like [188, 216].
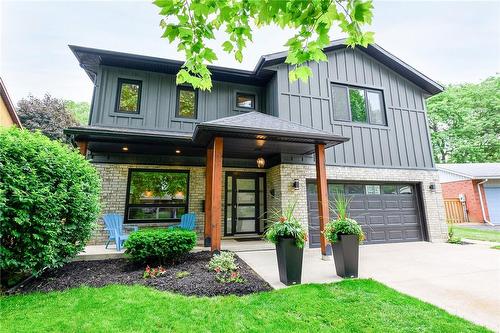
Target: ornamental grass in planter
[289, 235]
[345, 235]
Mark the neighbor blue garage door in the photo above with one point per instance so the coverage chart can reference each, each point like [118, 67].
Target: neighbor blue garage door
[493, 200]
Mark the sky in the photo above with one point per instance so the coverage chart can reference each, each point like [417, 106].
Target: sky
[449, 41]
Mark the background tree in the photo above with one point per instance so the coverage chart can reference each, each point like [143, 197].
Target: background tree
[79, 110]
[192, 22]
[465, 122]
[47, 114]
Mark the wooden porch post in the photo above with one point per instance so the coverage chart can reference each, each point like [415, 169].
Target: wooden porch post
[82, 147]
[213, 194]
[321, 184]
[208, 196]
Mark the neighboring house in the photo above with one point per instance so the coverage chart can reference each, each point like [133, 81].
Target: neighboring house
[256, 141]
[8, 116]
[479, 183]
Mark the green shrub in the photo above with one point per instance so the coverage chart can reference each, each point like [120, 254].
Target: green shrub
[49, 202]
[225, 267]
[159, 246]
[284, 224]
[342, 225]
[452, 238]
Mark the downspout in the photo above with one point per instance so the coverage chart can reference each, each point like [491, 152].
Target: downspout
[481, 201]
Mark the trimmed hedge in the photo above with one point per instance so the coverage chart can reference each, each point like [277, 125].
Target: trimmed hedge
[159, 246]
[49, 202]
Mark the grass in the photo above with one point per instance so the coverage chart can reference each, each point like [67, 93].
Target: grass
[347, 306]
[478, 234]
[496, 247]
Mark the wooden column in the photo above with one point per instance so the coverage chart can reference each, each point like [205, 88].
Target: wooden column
[208, 196]
[321, 184]
[82, 147]
[213, 193]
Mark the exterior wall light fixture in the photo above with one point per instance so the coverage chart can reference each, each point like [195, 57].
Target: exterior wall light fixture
[261, 162]
[296, 184]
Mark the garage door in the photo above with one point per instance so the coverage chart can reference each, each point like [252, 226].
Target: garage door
[493, 201]
[386, 212]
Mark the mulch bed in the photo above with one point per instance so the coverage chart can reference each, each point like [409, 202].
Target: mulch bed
[99, 273]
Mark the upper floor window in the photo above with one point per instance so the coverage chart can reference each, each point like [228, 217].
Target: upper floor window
[245, 101]
[129, 96]
[187, 102]
[358, 105]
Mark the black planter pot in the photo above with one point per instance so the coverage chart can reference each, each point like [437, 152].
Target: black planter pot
[346, 256]
[289, 261]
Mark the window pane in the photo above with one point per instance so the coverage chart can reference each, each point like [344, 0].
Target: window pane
[358, 105]
[372, 189]
[245, 101]
[340, 106]
[389, 189]
[405, 189]
[129, 97]
[375, 106]
[157, 195]
[354, 189]
[186, 107]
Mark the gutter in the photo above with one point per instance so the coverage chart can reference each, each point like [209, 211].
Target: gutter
[481, 201]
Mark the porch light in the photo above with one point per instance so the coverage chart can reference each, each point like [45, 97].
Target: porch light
[296, 184]
[125, 148]
[177, 151]
[261, 162]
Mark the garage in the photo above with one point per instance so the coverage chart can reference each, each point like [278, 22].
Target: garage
[387, 212]
[493, 201]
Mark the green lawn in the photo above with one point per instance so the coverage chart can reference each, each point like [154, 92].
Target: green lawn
[479, 234]
[347, 306]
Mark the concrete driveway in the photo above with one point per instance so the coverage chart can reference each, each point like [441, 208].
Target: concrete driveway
[462, 279]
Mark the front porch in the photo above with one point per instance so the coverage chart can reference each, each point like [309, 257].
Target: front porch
[99, 252]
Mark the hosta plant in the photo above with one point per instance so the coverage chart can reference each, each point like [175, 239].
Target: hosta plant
[284, 224]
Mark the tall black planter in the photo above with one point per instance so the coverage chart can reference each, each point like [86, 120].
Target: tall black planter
[289, 261]
[346, 256]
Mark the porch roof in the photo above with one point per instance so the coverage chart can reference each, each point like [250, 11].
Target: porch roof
[248, 135]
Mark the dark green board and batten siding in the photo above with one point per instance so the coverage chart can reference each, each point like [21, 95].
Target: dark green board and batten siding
[403, 143]
[158, 101]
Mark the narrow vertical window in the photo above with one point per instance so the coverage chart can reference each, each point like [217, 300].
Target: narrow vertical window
[374, 99]
[187, 100]
[340, 106]
[358, 105]
[128, 96]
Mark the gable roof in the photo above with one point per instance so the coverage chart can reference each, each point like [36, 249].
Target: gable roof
[472, 170]
[90, 59]
[8, 104]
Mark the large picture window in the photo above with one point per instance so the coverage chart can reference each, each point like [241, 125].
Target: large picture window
[157, 195]
[358, 105]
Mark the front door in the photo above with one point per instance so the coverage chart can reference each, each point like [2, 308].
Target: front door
[245, 203]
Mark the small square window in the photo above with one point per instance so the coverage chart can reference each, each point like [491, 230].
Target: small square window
[187, 103]
[129, 96]
[372, 189]
[245, 101]
[389, 189]
[405, 189]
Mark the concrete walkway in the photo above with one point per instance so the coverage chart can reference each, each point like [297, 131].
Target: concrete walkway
[462, 279]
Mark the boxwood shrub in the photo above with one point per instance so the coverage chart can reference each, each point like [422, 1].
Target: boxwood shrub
[159, 246]
[49, 202]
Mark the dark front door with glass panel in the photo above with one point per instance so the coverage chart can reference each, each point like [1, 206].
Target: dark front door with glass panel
[245, 204]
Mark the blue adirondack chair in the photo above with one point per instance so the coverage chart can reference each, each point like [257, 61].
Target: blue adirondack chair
[188, 221]
[116, 229]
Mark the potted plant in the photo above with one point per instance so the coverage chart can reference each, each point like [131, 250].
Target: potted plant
[345, 235]
[289, 235]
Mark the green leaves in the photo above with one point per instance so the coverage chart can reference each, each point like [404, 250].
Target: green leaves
[192, 23]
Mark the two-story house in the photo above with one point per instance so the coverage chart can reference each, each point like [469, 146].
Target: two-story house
[257, 141]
